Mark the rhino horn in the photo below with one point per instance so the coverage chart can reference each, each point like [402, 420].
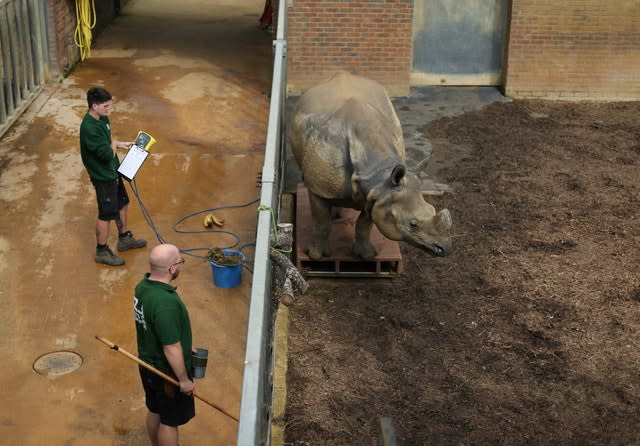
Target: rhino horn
[443, 221]
[398, 174]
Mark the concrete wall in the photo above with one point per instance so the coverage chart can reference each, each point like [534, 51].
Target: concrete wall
[367, 37]
[574, 49]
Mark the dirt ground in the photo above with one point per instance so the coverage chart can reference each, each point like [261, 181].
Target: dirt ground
[529, 333]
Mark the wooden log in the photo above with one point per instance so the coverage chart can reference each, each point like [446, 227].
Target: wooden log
[290, 271]
[287, 297]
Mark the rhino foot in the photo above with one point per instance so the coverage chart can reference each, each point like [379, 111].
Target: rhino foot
[365, 251]
[316, 252]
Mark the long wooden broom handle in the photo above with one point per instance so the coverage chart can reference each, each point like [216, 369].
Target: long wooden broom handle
[161, 374]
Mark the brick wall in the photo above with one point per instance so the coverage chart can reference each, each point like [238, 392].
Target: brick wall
[63, 50]
[574, 49]
[371, 38]
[61, 18]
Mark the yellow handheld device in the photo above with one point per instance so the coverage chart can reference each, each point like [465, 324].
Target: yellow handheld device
[136, 155]
[144, 140]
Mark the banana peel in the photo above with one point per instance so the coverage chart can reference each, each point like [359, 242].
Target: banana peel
[211, 219]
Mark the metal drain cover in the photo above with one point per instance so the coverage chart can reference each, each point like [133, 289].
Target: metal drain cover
[57, 363]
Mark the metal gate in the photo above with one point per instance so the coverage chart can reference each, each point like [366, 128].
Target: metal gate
[459, 42]
[24, 52]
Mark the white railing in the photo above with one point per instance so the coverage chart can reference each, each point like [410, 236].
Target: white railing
[255, 404]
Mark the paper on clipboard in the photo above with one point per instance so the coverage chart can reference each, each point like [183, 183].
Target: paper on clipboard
[138, 152]
[132, 162]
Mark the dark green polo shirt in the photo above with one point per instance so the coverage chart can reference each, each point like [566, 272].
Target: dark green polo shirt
[95, 149]
[161, 319]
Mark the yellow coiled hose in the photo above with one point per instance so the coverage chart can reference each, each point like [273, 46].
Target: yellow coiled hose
[85, 21]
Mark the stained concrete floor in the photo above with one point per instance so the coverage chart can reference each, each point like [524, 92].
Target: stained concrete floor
[196, 76]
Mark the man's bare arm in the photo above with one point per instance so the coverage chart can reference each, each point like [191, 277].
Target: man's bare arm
[173, 353]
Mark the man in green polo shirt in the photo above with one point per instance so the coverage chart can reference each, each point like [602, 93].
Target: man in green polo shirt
[163, 332]
[98, 151]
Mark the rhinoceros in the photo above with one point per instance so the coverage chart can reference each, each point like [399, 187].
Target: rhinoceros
[347, 140]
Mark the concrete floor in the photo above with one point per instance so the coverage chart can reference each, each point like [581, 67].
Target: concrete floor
[196, 76]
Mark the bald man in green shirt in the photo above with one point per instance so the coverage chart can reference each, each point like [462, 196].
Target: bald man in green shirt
[163, 333]
[98, 151]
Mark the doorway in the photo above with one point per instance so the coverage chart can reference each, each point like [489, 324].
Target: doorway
[459, 42]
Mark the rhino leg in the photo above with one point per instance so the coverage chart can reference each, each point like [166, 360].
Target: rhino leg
[362, 247]
[321, 216]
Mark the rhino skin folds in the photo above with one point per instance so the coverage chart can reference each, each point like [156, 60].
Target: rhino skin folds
[347, 140]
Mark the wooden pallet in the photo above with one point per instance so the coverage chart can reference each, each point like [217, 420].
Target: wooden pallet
[387, 263]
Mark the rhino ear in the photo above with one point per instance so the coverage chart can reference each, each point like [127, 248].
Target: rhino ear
[398, 174]
[421, 165]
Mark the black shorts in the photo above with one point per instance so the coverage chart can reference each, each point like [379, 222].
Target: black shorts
[111, 196]
[163, 398]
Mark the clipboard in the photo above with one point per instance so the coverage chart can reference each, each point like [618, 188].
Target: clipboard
[132, 162]
[136, 155]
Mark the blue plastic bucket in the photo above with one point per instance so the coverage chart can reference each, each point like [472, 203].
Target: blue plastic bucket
[228, 276]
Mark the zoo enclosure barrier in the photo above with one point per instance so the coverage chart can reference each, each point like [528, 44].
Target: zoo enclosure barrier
[254, 426]
[24, 56]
